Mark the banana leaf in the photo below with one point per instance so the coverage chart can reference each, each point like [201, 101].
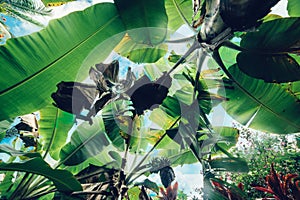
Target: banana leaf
[62, 179]
[146, 21]
[263, 106]
[32, 65]
[293, 8]
[54, 125]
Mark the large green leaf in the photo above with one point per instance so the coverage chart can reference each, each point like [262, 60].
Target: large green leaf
[277, 68]
[275, 35]
[272, 37]
[54, 125]
[179, 12]
[34, 64]
[146, 21]
[229, 164]
[62, 179]
[293, 8]
[87, 141]
[263, 106]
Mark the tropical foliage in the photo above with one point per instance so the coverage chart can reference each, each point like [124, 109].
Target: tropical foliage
[78, 125]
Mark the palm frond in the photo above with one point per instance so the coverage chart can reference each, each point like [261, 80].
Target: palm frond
[19, 15]
[28, 6]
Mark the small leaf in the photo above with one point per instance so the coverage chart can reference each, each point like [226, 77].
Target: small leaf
[148, 184]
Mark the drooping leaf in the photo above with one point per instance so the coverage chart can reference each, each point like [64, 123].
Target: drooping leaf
[149, 24]
[178, 156]
[54, 125]
[62, 179]
[34, 64]
[87, 141]
[148, 184]
[278, 68]
[140, 53]
[263, 106]
[293, 8]
[227, 137]
[229, 164]
[276, 35]
[241, 15]
[4, 148]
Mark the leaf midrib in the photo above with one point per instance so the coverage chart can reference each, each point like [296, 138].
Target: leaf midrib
[262, 104]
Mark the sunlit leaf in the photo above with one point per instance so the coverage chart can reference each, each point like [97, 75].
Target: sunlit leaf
[140, 53]
[263, 106]
[54, 125]
[293, 8]
[32, 65]
[179, 13]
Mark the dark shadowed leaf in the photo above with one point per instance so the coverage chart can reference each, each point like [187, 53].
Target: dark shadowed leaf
[148, 184]
[149, 24]
[146, 94]
[278, 69]
[276, 35]
[240, 15]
